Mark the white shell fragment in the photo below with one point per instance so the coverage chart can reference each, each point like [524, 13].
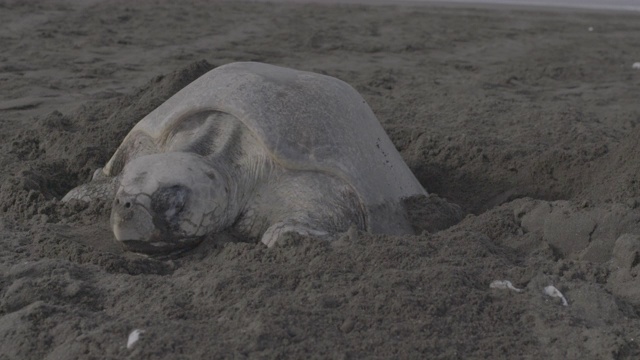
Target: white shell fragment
[636, 66]
[553, 292]
[134, 337]
[504, 284]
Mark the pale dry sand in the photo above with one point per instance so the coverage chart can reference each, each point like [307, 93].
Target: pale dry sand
[524, 118]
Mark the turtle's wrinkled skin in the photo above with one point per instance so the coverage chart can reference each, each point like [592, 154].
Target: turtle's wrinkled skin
[258, 150]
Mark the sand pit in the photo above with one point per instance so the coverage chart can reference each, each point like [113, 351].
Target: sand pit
[523, 118]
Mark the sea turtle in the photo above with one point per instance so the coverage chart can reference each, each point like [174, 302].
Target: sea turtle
[259, 150]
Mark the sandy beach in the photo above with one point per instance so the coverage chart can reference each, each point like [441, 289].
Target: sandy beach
[527, 119]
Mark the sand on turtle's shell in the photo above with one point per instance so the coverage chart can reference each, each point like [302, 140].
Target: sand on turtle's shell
[525, 119]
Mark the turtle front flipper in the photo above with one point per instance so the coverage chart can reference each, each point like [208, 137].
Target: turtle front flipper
[99, 188]
[280, 229]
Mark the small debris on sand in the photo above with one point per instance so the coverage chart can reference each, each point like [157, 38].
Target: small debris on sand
[554, 292]
[504, 284]
[134, 337]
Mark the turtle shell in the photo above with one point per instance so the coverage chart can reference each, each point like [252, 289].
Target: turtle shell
[306, 121]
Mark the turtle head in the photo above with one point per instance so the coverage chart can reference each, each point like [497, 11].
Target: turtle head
[167, 202]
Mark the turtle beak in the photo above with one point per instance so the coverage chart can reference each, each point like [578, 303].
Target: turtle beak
[130, 220]
[136, 229]
[161, 248]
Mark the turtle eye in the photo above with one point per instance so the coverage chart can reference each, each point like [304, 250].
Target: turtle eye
[169, 200]
[210, 175]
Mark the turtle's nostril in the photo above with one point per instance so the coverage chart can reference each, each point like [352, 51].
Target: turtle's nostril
[124, 201]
